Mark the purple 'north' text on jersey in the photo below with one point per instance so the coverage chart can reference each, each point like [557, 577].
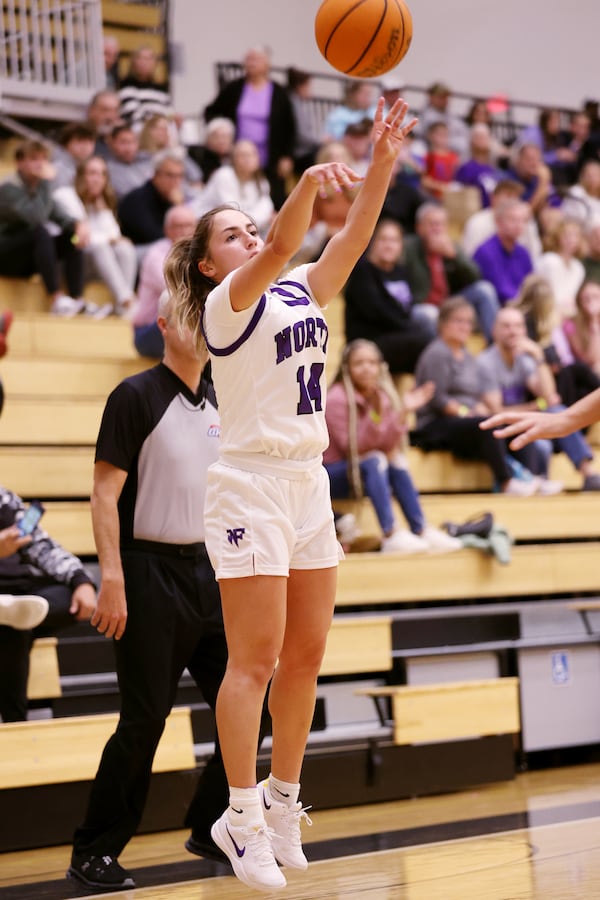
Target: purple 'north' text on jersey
[309, 332]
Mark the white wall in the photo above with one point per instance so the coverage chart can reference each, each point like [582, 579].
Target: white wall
[538, 50]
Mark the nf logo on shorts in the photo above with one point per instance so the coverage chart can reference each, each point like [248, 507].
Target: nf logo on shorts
[235, 535]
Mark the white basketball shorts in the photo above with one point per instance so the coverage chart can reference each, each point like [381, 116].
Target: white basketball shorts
[257, 524]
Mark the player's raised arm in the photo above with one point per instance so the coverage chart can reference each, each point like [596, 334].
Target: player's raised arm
[330, 272]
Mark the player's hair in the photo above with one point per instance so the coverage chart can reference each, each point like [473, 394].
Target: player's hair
[385, 383]
[185, 282]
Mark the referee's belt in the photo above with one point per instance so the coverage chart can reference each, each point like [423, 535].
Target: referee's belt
[163, 549]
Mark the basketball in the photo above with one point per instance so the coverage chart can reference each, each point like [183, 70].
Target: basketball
[363, 38]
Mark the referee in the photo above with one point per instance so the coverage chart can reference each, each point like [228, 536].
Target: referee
[158, 598]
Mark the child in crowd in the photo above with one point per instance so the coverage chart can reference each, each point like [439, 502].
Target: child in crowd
[367, 426]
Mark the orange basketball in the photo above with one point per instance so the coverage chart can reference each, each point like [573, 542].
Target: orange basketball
[363, 38]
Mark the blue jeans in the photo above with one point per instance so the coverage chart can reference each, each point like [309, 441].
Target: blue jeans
[148, 340]
[483, 298]
[380, 479]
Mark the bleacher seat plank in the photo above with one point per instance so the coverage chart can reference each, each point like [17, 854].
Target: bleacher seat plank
[28, 295]
[566, 515]
[138, 15]
[534, 570]
[53, 751]
[452, 710]
[358, 644]
[65, 378]
[439, 472]
[47, 471]
[71, 525]
[51, 421]
[44, 676]
[44, 335]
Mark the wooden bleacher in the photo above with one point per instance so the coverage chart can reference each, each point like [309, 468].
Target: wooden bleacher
[56, 378]
[135, 24]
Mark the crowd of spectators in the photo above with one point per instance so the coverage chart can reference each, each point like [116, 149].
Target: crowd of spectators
[102, 199]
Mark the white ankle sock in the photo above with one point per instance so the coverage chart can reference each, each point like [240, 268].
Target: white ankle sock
[283, 791]
[244, 806]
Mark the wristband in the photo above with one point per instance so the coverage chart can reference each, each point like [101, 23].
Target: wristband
[541, 404]
[463, 410]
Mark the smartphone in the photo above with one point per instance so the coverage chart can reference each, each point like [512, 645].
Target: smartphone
[33, 514]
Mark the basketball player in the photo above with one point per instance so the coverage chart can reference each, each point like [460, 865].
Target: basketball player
[525, 427]
[269, 525]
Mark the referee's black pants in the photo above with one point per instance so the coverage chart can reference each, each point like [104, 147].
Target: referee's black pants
[174, 621]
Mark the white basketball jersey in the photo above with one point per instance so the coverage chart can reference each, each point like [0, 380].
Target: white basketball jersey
[268, 368]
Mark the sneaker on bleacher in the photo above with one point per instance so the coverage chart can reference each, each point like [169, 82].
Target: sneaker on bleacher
[440, 541]
[67, 306]
[548, 488]
[346, 528]
[591, 482]
[24, 612]
[516, 487]
[403, 541]
[97, 311]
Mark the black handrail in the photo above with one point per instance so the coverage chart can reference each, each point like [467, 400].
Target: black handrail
[506, 128]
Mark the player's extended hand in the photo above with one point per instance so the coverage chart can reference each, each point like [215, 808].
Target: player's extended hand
[389, 131]
[332, 176]
[525, 427]
[110, 615]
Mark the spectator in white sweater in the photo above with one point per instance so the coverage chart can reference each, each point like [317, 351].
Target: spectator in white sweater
[108, 254]
[562, 266]
[241, 183]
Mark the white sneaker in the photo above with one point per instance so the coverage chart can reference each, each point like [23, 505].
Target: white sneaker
[94, 311]
[440, 541]
[23, 612]
[518, 488]
[285, 822]
[403, 541]
[548, 488]
[67, 307]
[249, 850]
[346, 528]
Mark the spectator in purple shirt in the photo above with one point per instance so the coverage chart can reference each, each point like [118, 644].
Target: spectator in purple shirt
[502, 259]
[262, 112]
[479, 170]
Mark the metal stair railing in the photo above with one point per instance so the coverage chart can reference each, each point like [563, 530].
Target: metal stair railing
[51, 58]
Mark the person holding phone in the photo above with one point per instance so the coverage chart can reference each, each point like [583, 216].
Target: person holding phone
[43, 589]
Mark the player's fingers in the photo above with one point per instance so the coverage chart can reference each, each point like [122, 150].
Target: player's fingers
[510, 430]
[398, 108]
[519, 442]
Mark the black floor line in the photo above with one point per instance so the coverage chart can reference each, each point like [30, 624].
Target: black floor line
[196, 869]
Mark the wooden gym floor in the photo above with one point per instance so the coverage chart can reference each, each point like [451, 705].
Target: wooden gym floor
[535, 837]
